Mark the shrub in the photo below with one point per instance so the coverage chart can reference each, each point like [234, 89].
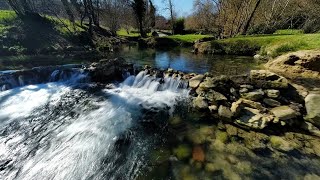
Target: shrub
[178, 26]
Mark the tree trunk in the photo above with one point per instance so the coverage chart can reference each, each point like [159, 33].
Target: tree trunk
[142, 33]
[247, 24]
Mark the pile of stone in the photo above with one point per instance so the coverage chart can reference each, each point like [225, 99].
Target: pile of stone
[257, 100]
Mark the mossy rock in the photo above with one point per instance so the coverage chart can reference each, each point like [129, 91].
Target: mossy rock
[159, 156]
[222, 136]
[280, 143]
[175, 120]
[183, 151]
[244, 167]
[200, 135]
[185, 173]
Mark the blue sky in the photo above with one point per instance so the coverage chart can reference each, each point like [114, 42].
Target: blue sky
[182, 7]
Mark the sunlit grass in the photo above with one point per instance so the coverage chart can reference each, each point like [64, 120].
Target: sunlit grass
[188, 38]
[289, 31]
[273, 45]
[7, 16]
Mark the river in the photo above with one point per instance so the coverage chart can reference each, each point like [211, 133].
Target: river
[141, 128]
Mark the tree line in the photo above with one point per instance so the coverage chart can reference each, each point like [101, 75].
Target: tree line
[223, 18]
[228, 18]
[112, 14]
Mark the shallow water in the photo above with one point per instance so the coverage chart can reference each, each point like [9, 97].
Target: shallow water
[184, 60]
[179, 59]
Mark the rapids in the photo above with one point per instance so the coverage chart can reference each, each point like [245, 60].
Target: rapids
[70, 129]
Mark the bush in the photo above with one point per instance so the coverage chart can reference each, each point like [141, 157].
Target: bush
[235, 47]
[178, 26]
[261, 29]
[284, 48]
[289, 31]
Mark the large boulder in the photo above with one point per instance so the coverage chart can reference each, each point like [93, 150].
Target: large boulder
[107, 70]
[268, 79]
[313, 108]
[297, 64]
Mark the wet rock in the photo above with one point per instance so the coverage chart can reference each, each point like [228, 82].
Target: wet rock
[175, 120]
[200, 103]
[280, 144]
[272, 93]
[311, 177]
[311, 128]
[243, 90]
[222, 136]
[268, 79]
[213, 108]
[313, 108]
[234, 92]
[225, 112]
[231, 130]
[182, 152]
[244, 167]
[198, 154]
[242, 103]
[107, 70]
[249, 87]
[215, 96]
[271, 102]
[254, 95]
[160, 156]
[195, 81]
[207, 83]
[284, 113]
[253, 118]
[200, 135]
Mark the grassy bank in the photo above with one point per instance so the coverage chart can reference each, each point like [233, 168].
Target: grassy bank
[271, 45]
[188, 38]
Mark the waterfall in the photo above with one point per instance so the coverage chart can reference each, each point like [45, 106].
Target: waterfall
[58, 131]
[38, 75]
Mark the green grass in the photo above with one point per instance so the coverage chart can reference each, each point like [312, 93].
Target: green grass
[289, 32]
[188, 38]
[123, 32]
[271, 45]
[7, 16]
[64, 26]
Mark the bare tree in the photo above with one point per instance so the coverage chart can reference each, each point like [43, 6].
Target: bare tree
[170, 8]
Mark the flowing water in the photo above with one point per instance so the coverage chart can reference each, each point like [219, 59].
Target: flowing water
[56, 124]
[71, 129]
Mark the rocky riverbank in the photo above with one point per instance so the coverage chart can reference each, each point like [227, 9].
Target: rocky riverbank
[253, 126]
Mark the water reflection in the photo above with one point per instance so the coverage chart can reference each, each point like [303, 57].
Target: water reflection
[184, 60]
[179, 59]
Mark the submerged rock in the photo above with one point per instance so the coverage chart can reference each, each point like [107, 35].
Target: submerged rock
[198, 154]
[280, 144]
[182, 152]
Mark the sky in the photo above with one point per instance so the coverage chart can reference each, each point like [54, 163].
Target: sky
[182, 7]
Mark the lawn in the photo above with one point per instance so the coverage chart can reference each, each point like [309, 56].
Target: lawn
[188, 38]
[271, 45]
[7, 16]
